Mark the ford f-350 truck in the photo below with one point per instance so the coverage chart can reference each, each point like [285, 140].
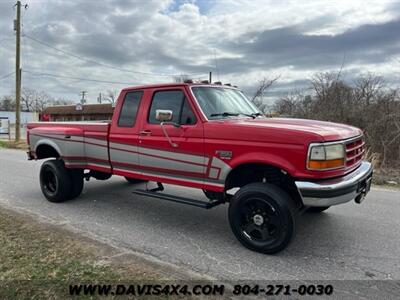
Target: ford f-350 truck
[209, 137]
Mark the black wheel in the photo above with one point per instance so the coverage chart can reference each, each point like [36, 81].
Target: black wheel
[213, 195]
[262, 217]
[317, 209]
[134, 180]
[76, 183]
[55, 181]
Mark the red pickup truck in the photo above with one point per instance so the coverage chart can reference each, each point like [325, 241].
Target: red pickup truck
[210, 137]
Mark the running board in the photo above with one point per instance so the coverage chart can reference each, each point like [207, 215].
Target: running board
[192, 202]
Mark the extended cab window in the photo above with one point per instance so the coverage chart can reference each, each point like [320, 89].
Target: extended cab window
[175, 101]
[129, 109]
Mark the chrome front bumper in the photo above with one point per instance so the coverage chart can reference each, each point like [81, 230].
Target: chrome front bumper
[353, 186]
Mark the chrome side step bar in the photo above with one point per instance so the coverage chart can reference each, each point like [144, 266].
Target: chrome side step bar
[177, 199]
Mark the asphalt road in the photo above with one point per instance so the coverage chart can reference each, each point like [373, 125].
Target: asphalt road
[347, 242]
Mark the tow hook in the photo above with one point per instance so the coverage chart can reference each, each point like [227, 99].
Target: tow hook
[363, 189]
[360, 198]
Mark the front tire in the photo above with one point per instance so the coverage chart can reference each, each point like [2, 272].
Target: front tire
[55, 181]
[262, 217]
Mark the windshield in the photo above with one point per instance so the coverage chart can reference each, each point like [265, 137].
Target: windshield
[219, 102]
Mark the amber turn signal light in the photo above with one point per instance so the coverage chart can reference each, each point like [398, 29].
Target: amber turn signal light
[325, 164]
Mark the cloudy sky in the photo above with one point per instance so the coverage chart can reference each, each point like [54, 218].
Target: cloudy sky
[111, 44]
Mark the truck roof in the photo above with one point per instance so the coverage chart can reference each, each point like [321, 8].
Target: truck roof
[179, 84]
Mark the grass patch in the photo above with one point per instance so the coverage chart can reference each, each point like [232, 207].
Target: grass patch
[14, 145]
[38, 261]
[3, 144]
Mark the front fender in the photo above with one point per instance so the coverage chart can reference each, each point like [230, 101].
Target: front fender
[265, 159]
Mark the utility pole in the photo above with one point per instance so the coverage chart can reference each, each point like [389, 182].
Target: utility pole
[210, 77]
[83, 93]
[99, 98]
[17, 28]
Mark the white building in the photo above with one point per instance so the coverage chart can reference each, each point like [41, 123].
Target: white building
[26, 117]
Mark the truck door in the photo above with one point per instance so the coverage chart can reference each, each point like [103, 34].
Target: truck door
[124, 134]
[173, 149]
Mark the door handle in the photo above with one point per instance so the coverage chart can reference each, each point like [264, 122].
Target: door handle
[145, 132]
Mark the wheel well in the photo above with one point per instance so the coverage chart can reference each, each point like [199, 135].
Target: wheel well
[253, 172]
[46, 151]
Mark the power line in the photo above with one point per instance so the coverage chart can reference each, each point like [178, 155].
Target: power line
[6, 76]
[99, 63]
[76, 78]
[2, 39]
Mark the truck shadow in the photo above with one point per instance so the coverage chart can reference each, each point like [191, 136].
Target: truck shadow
[326, 230]
[196, 229]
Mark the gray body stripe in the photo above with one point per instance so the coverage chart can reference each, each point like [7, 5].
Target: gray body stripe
[124, 146]
[64, 147]
[225, 168]
[163, 163]
[96, 141]
[123, 156]
[77, 163]
[59, 136]
[71, 164]
[174, 177]
[213, 173]
[198, 159]
[187, 162]
[96, 152]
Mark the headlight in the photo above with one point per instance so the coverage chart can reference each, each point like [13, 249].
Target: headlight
[326, 156]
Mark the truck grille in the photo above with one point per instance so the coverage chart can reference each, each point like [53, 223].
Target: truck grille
[354, 151]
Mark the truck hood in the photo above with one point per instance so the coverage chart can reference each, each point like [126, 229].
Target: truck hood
[324, 131]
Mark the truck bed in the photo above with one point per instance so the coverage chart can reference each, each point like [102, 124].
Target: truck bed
[79, 144]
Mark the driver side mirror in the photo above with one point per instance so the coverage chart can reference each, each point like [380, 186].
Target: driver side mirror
[164, 115]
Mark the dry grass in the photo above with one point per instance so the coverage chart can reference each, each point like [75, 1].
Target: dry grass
[387, 177]
[39, 262]
[14, 145]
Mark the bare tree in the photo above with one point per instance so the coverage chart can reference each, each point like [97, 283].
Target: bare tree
[295, 103]
[264, 85]
[7, 103]
[368, 87]
[33, 100]
[111, 96]
[61, 101]
[365, 103]
[180, 78]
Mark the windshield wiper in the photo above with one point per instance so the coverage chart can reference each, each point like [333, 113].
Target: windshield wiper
[250, 115]
[257, 114]
[228, 114]
[224, 114]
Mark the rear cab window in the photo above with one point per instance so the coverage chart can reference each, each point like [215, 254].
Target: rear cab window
[129, 109]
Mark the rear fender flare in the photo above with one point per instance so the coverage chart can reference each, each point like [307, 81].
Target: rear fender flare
[48, 142]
